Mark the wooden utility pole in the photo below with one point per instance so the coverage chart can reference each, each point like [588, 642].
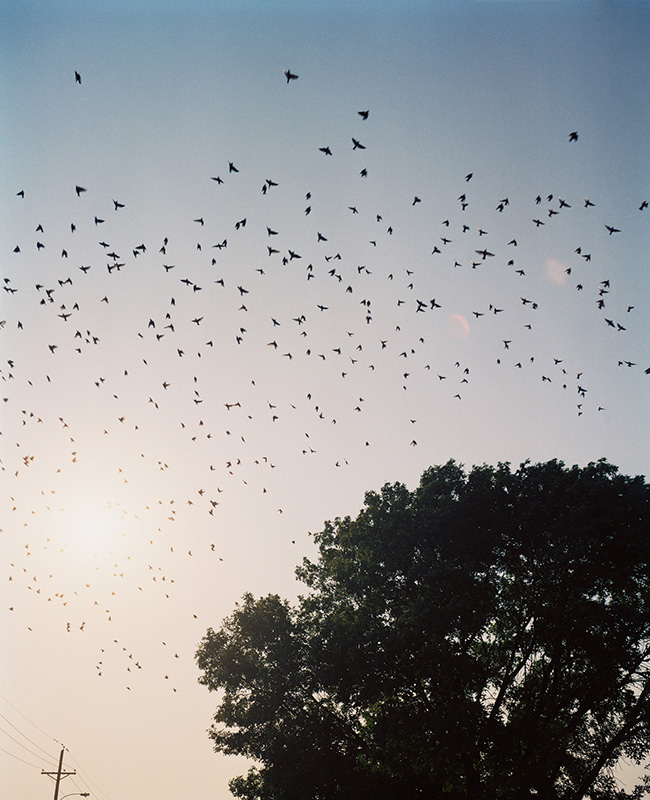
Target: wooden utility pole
[59, 774]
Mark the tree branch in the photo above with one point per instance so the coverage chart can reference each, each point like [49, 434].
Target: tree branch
[614, 743]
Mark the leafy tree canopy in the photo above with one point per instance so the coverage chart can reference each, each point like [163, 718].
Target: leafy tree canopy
[486, 635]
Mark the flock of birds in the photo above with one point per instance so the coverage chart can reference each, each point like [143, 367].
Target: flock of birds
[137, 364]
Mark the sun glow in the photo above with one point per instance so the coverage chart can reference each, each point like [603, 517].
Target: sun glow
[92, 525]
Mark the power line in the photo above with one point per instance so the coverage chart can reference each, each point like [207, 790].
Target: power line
[2, 697]
[20, 744]
[86, 778]
[49, 755]
[80, 789]
[18, 758]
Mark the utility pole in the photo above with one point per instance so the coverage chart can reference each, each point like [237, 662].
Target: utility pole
[59, 774]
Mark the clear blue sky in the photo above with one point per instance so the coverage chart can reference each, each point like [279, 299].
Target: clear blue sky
[136, 506]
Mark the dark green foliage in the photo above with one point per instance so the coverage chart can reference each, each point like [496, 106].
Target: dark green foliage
[486, 635]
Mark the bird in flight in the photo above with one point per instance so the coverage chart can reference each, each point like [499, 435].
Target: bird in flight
[573, 136]
[363, 114]
[77, 77]
[289, 75]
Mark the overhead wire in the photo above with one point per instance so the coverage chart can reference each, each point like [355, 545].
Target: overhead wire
[82, 775]
[48, 761]
[20, 744]
[19, 759]
[31, 741]
[2, 697]
[86, 778]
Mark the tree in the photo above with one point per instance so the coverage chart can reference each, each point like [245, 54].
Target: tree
[486, 635]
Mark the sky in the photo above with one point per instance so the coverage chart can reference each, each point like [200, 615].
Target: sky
[198, 373]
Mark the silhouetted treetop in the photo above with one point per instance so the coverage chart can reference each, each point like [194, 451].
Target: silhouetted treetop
[486, 635]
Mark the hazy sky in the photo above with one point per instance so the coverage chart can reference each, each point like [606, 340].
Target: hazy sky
[177, 416]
